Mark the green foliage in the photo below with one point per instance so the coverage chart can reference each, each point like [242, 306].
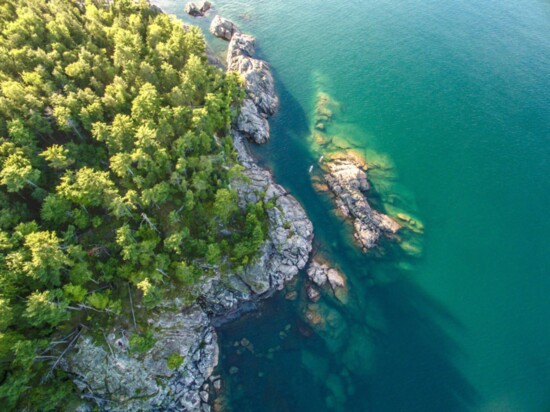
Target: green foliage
[115, 170]
[45, 308]
[141, 343]
[174, 361]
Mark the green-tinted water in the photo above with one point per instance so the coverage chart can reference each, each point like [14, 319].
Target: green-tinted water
[456, 94]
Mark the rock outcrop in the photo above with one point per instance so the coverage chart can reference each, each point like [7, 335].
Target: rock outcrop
[223, 28]
[257, 76]
[261, 101]
[121, 381]
[252, 123]
[118, 380]
[289, 237]
[347, 179]
[197, 9]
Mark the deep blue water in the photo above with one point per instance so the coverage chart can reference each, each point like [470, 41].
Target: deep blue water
[453, 97]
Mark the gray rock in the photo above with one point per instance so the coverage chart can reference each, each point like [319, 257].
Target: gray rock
[321, 274]
[197, 8]
[222, 296]
[261, 101]
[223, 28]
[317, 273]
[242, 45]
[252, 123]
[290, 233]
[134, 382]
[257, 73]
[347, 179]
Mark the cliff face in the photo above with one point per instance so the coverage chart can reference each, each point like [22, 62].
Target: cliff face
[112, 377]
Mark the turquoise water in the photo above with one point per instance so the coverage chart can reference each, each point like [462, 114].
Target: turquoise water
[454, 98]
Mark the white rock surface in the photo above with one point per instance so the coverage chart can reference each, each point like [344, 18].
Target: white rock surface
[198, 8]
[223, 28]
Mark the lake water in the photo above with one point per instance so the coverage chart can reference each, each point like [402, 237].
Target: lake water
[452, 98]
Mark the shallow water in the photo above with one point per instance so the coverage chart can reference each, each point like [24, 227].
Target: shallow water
[453, 98]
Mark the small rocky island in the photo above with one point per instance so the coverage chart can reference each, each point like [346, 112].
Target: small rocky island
[346, 178]
[343, 173]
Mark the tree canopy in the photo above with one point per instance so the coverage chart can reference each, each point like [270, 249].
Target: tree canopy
[115, 178]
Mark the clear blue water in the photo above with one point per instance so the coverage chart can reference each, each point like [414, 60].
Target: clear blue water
[455, 96]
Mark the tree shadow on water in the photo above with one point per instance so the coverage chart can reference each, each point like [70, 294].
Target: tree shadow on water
[414, 367]
[289, 132]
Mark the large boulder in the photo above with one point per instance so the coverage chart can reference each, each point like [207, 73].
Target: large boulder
[223, 28]
[321, 273]
[199, 8]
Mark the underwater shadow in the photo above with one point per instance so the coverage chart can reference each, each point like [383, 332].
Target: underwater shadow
[413, 356]
[414, 360]
[289, 131]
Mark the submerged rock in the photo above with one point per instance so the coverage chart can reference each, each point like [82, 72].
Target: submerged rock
[199, 8]
[335, 279]
[223, 28]
[347, 179]
[313, 294]
[313, 316]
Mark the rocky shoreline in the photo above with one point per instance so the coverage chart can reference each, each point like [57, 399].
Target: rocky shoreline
[113, 378]
[110, 376]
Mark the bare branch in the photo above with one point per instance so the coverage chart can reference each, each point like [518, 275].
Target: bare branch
[132, 307]
[63, 353]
